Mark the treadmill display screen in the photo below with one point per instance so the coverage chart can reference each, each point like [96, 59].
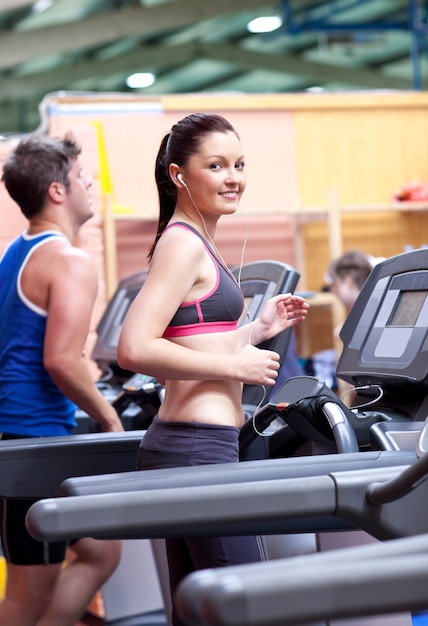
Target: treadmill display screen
[255, 292]
[408, 308]
[110, 326]
[385, 336]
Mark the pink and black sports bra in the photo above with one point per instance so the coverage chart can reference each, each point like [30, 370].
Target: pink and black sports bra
[217, 311]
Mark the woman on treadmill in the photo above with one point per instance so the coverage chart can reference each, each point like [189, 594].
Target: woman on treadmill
[183, 329]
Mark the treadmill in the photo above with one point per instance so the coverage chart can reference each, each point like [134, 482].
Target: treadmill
[392, 390]
[391, 576]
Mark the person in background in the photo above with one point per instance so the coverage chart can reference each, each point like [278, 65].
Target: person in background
[47, 292]
[347, 275]
[182, 327]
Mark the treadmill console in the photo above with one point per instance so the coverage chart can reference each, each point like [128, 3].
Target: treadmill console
[110, 325]
[385, 335]
[259, 281]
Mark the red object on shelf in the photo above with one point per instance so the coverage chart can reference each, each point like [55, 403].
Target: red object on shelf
[412, 192]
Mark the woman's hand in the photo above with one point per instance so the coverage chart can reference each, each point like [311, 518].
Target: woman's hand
[259, 367]
[279, 313]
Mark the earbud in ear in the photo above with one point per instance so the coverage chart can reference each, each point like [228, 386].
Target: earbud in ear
[180, 178]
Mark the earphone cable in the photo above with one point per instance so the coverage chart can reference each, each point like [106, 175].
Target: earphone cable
[258, 432]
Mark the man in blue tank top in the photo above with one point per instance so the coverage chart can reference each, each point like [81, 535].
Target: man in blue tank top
[47, 293]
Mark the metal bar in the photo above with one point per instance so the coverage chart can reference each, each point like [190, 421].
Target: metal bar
[414, 44]
[321, 24]
[232, 509]
[390, 577]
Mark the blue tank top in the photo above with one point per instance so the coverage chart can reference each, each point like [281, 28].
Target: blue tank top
[30, 402]
[217, 311]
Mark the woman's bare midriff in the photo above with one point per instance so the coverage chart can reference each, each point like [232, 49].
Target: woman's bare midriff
[209, 402]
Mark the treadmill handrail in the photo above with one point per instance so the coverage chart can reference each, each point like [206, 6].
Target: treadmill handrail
[35, 467]
[390, 576]
[401, 485]
[223, 473]
[343, 433]
[177, 512]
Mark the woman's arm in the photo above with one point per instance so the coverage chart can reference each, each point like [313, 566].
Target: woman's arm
[279, 313]
[178, 269]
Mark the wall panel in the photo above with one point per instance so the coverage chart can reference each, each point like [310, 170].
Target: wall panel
[305, 153]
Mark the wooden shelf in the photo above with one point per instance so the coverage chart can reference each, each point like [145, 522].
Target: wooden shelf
[331, 213]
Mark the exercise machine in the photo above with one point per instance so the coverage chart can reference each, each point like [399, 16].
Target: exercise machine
[379, 386]
[376, 499]
[157, 509]
[36, 467]
[390, 576]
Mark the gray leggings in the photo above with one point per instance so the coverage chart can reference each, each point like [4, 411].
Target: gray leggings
[180, 444]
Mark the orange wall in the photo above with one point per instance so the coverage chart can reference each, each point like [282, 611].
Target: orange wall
[364, 146]
[261, 237]
[299, 149]
[11, 220]
[132, 131]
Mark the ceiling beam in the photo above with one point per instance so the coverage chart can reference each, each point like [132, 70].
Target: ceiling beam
[146, 57]
[103, 28]
[8, 5]
[291, 64]
[154, 58]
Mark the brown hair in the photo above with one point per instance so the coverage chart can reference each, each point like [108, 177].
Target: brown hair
[178, 146]
[35, 163]
[352, 263]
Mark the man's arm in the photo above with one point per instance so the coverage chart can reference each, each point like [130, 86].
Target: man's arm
[71, 298]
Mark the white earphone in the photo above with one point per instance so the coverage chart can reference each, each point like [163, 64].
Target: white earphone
[180, 178]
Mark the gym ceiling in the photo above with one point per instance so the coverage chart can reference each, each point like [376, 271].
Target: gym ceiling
[195, 46]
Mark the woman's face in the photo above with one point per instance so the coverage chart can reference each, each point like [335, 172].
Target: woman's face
[215, 174]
